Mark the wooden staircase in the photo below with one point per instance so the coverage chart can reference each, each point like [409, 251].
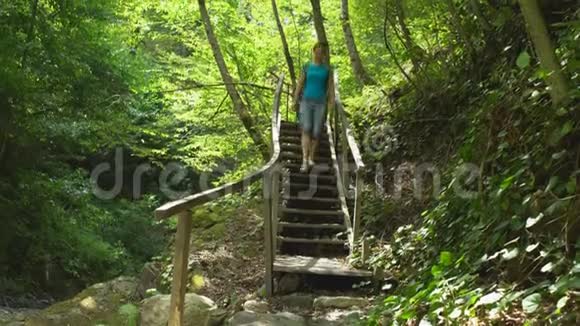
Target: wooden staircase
[308, 226]
[312, 235]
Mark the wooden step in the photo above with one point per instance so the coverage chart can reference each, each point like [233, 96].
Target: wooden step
[298, 157]
[331, 226]
[297, 148]
[324, 200]
[298, 133]
[295, 139]
[319, 168]
[316, 265]
[312, 177]
[307, 186]
[336, 242]
[311, 212]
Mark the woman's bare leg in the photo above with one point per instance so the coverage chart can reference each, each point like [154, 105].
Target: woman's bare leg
[305, 150]
[312, 150]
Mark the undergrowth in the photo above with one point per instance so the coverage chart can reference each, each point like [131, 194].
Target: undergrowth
[502, 250]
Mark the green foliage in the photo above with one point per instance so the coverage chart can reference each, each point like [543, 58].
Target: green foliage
[509, 250]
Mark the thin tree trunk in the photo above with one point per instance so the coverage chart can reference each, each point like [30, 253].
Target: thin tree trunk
[298, 36]
[409, 44]
[390, 48]
[239, 106]
[355, 60]
[319, 26]
[538, 31]
[30, 32]
[285, 45]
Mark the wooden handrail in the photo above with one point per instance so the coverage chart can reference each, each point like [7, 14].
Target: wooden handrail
[355, 152]
[182, 207]
[348, 145]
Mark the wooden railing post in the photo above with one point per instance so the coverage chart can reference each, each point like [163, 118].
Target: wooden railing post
[268, 254]
[357, 206]
[344, 162]
[180, 263]
[275, 207]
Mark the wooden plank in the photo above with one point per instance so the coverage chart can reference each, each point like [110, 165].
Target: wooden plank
[317, 265]
[298, 157]
[180, 262]
[355, 152]
[311, 241]
[341, 188]
[318, 168]
[306, 211]
[268, 252]
[333, 226]
[326, 200]
[307, 186]
[357, 206]
[315, 176]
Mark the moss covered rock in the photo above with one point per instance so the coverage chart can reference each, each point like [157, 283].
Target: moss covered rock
[100, 304]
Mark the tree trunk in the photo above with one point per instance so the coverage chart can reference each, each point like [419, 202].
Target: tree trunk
[409, 44]
[30, 32]
[355, 61]
[390, 48]
[538, 31]
[319, 26]
[285, 46]
[239, 105]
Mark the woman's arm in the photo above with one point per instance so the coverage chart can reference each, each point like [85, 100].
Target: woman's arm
[299, 88]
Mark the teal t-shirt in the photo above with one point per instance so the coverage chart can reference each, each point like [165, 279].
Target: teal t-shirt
[316, 82]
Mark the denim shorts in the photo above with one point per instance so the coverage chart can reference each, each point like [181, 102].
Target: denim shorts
[312, 117]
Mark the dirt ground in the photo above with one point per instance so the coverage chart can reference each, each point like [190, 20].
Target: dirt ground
[226, 257]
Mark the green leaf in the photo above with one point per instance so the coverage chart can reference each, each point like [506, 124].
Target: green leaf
[532, 247]
[552, 183]
[562, 302]
[511, 254]
[489, 298]
[531, 303]
[547, 268]
[523, 60]
[456, 313]
[130, 314]
[566, 128]
[436, 271]
[531, 221]
[571, 186]
[446, 258]
[507, 182]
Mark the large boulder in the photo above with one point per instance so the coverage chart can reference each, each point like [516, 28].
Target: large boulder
[102, 303]
[198, 311]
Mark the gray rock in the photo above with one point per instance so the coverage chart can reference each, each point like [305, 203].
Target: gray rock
[150, 278]
[198, 310]
[256, 306]
[339, 302]
[289, 283]
[338, 318]
[245, 318]
[100, 302]
[304, 302]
